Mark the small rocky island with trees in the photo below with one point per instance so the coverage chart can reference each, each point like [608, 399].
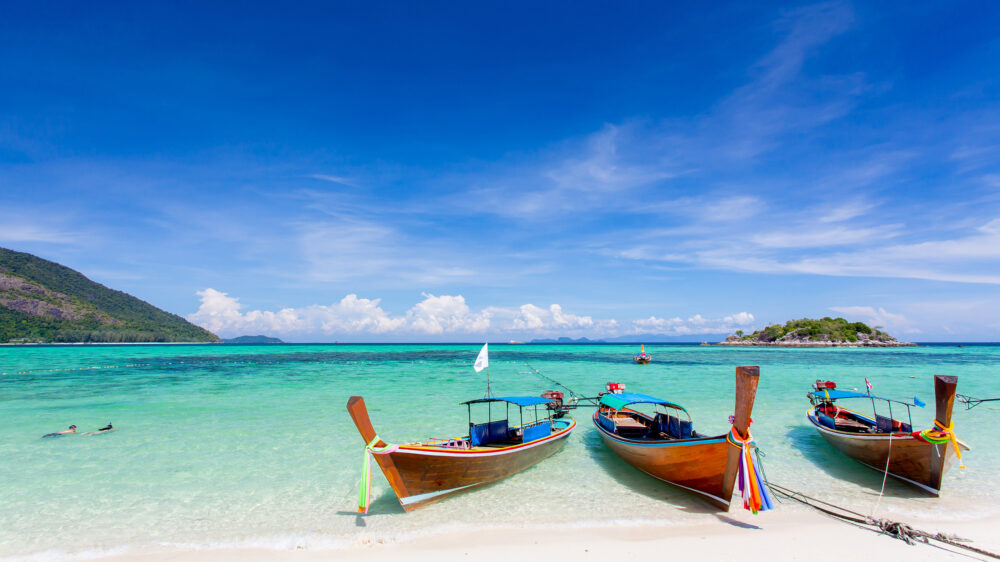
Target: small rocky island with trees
[825, 332]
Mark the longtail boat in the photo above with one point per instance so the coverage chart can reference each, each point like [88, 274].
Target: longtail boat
[919, 458]
[426, 472]
[665, 446]
[642, 357]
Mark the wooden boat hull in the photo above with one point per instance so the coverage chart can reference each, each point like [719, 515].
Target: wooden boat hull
[916, 462]
[706, 466]
[697, 465]
[421, 475]
[903, 456]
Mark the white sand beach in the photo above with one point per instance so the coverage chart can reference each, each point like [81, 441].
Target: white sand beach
[777, 535]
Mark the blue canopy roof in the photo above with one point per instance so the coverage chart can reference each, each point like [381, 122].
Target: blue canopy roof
[519, 400]
[619, 401]
[838, 394]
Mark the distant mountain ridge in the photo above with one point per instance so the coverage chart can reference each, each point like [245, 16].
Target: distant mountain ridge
[43, 301]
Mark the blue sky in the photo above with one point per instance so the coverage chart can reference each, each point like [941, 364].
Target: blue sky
[454, 172]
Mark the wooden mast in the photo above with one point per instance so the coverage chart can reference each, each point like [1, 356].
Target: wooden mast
[359, 413]
[746, 389]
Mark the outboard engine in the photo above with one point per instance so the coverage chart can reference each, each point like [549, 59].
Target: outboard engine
[555, 403]
[615, 387]
[555, 397]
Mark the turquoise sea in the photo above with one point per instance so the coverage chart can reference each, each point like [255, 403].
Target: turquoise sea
[250, 446]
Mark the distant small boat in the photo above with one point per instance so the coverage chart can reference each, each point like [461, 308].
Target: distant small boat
[667, 447]
[919, 458]
[425, 472]
[642, 357]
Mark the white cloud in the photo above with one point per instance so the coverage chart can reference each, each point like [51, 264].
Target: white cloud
[434, 315]
[875, 317]
[438, 315]
[696, 324]
[833, 236]
[739, 319]
[534, 318]
[333, 179]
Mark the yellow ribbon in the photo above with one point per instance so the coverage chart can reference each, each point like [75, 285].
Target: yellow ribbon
[950, 434]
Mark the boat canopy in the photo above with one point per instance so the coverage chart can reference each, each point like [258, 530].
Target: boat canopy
[517, 400]
[838, 394]
[619, 401]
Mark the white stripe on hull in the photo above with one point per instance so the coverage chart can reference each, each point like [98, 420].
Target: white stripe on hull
[429, 495]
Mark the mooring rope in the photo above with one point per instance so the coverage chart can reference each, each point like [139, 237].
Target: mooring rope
[885, 476]
[894, 529]
[551, 380]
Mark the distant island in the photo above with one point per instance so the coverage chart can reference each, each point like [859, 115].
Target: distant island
[565, 340]
[45, 302]
[807, 332]
[252, 339]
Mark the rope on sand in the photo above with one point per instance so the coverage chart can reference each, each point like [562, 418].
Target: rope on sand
[894, 529]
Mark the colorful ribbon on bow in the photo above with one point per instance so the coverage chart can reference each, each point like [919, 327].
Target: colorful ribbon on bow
[941, 435]
[365, 494]
[753, 487]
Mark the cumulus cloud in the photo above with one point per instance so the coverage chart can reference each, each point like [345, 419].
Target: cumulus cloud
[696, 324]
[221, 313]
[352, 315]
[532, 317]
[438, 315]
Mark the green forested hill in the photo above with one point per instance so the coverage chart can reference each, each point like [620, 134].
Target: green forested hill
[808, 330]
[43, 301]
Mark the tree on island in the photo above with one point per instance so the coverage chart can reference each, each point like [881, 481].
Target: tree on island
[808, 330]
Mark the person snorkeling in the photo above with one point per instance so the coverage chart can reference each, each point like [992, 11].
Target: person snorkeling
[72, 429]
[104, 429]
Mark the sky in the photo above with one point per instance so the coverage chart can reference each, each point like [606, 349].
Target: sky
[450, 171]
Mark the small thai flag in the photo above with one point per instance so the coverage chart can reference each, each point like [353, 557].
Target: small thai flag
[868, 384]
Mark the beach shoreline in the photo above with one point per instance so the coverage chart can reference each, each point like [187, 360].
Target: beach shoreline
[792, 534]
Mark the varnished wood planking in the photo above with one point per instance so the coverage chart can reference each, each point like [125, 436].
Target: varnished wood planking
[706, 465]
[914, 461]
[416, 470]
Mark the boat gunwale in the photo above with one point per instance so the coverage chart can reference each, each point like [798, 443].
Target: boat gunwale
[867, 436]
[447, 451]
[656, 442]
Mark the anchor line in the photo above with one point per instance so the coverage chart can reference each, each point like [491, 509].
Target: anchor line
[895, 529]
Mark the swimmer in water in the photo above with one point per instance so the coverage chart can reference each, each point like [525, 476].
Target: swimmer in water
[104, 429]
[72, 429]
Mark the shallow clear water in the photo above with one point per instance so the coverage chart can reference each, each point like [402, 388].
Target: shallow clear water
[251, 445]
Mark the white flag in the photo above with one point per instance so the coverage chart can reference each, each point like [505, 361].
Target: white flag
[483, 360]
